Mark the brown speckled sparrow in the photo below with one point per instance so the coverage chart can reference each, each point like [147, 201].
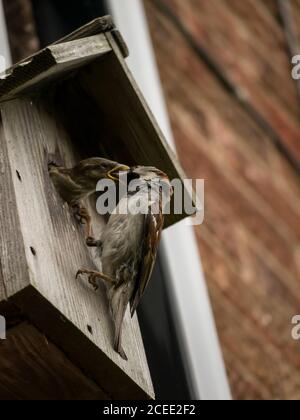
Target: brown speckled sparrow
[77, 183]
[129, 246]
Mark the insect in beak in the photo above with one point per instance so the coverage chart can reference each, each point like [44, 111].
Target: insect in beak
[113, 174]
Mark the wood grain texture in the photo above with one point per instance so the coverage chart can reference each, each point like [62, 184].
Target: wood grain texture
[103, 24]
[50, 64]
[53, 249]
[250, 239]
[33, 368]
[12, 260]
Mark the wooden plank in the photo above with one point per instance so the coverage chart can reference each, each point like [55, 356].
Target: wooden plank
[11, 242]
[53, 249]
[33, 368]
[50, 64]
[97, 26]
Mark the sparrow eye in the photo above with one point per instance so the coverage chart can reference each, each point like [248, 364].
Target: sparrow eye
[103, 167]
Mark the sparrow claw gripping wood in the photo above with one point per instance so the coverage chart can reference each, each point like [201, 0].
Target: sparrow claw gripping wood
[94, 276]
[82, 214]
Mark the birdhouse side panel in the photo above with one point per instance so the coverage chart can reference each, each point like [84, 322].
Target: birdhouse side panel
[53, 242]
[13, 266]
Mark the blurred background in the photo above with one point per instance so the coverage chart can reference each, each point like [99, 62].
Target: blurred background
[225, 67]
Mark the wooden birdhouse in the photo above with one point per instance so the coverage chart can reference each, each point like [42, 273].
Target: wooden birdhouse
[72, 100]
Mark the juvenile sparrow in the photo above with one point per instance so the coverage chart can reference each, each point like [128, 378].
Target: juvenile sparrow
[79, 182]
[130, 243]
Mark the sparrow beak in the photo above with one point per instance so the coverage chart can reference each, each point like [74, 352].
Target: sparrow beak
[113, 174]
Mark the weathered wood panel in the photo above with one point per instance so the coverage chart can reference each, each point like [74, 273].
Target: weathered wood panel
[10, 248]
[52, 63]
[250, 237]
[48, 248]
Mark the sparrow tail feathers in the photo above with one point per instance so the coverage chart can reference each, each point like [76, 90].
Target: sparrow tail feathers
[118, 321]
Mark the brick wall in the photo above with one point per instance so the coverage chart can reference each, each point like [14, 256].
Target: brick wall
[235, 114]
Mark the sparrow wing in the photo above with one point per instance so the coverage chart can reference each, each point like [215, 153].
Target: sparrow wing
[153, 226]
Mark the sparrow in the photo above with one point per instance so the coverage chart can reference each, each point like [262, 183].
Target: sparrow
[130, 243]
[79, 182]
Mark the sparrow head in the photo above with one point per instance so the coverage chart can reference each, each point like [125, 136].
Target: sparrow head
[77, 183]
[151, 174]
[95, 169]
[148, 173]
